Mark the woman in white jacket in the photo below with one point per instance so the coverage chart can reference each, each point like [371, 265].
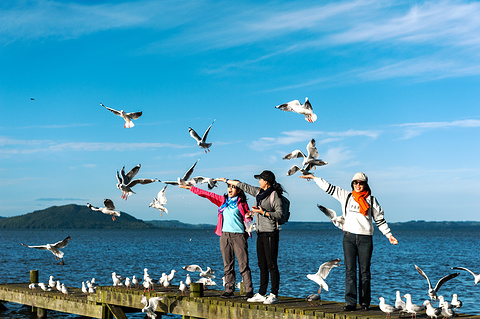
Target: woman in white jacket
[360, 210]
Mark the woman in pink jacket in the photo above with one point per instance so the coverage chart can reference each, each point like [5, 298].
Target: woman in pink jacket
[233, 216]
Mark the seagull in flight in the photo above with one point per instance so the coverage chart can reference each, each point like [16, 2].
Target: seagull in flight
[125, 182]
[309, 161]
[185, 179]
[109, 208]
[323, 272]
[476, 277]
[208, 273]
[211, 182]
[330, 213]
[150, 306]
[160, 201]
[432, 292]
[202, 142]
[304, 109]
[54, 248]
[128, 117]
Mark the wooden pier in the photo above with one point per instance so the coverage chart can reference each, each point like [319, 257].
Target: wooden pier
[113, 302]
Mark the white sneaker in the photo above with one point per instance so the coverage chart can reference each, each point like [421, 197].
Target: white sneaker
[257, 298]
[270, 299]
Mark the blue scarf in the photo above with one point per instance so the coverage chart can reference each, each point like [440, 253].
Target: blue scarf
[231, 202]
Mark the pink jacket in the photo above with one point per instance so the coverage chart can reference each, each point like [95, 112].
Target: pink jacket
[219, 200]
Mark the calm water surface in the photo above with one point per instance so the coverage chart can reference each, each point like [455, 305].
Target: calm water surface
[97, 253]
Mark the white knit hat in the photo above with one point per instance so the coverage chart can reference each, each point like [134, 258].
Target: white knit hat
[360, 177]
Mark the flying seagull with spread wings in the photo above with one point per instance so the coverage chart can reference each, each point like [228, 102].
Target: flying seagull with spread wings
[128, 117]
[125, 182]
[304, 109]
[432, 292]
[54, 248]
[109, 208]
[202, 142]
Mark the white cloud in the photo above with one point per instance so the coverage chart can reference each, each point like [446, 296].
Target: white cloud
[415, 129]
[321, 137]
[13, 146]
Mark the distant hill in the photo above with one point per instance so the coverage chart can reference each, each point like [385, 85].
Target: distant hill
[71, 216]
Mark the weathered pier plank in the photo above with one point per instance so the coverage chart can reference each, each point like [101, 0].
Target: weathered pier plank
[112, 302]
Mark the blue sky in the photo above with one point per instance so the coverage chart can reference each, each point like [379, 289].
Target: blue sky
[395, 86]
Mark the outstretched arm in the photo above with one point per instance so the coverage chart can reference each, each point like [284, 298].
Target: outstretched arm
[228, 181]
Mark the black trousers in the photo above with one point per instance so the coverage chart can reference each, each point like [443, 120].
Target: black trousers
[357, 248]
[267, 254]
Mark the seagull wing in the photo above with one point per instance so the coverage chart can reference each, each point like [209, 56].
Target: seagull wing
[131, 174]
[330, 213]
[142, 181]
[109, 204]
[161, 196]
[42, 247]
[194, 134]
[111, 110]
[325, 268]
[204, 137]
[144, 300]
[189, 172]
[424, 276]
[134, 115]
[289, 107]
[153, 302]
[293, 170]
[294, 154]
[61, 243]
[463, 268]
[93, 207]
[445, 279]
[311, 149]
[307, 105]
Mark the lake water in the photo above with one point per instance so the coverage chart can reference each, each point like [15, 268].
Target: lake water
[97, 253]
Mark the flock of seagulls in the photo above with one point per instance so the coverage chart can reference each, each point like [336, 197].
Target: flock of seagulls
[444, 309]
[126, 181]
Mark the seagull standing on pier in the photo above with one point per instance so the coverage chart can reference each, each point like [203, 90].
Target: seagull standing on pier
[182, 287]
[411, 307]
[135, 281]
[432, 292]
[117, 279]
[399, 303]
[128, 117]
[432, 312]
[388, 309]
[51, 282]
[188, 280]
[53, 248]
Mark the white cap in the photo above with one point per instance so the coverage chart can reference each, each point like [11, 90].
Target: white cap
[360, 177]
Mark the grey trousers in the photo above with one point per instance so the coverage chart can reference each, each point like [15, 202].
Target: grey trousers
[231, 245]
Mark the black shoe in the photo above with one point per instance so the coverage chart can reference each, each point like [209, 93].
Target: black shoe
[365, 308]
[249, 294]
[349, 308]
[227, 295]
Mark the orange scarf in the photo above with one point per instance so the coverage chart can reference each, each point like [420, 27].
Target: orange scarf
[360, 199]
